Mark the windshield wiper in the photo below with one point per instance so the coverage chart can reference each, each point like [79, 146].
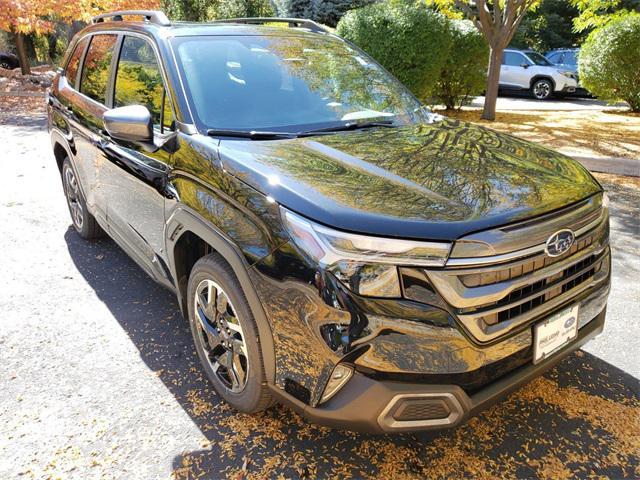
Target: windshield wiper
[350, 126]
[252, 135]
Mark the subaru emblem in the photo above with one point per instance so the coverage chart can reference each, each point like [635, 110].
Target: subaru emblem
[559, 243]
[569, 323]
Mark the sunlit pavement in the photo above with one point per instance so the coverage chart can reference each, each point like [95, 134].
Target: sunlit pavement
[524, 101]
[99, 379]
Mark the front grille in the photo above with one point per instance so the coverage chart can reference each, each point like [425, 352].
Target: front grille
[521, 268]
[494, 297]
[529, 292]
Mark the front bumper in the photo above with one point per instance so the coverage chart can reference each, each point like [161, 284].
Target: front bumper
[367, 405]
[565, 84]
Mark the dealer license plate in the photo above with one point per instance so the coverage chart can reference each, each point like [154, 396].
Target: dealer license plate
[555, 332]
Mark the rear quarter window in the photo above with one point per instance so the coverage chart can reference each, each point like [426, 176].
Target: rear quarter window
[71, 72]
[96, 67]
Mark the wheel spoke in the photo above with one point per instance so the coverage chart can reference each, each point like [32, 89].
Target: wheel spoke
[237, 371]
[239, 346]
[222, 303]
[213, 337]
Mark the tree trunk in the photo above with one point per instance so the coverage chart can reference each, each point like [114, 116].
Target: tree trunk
[52, 40]
[22, 54]
[493, 79]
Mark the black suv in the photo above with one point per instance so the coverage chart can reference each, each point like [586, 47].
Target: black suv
[334, 245]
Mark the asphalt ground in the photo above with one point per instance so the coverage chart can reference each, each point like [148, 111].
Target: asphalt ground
[99, 378]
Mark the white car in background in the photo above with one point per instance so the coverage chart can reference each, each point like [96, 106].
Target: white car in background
[529, 70]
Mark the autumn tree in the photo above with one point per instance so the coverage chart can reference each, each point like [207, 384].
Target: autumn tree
[497, 21]
[26, 17]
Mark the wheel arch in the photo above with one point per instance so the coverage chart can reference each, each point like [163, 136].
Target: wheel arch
[541, 76]
[188, 238]
[61, 148]
[60, 153]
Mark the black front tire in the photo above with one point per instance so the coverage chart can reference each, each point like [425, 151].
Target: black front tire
[83, 222]
[255, 395]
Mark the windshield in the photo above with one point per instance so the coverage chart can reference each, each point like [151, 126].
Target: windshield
[538, 59]
[287, 83]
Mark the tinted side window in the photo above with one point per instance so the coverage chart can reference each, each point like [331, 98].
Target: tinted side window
[95, 71]
[71, 71]
[555, 57]
[513, 59]
[139, 81]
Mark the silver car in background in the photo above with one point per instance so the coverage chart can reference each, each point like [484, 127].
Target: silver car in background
[531, 71]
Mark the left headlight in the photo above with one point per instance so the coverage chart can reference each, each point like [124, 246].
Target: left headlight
[329, 246]
[568, 73]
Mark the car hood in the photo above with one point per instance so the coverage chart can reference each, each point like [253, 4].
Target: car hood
[436, 181]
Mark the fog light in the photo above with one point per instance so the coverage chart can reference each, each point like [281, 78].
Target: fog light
[339, 377]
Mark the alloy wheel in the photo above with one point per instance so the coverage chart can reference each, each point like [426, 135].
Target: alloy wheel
[73, 198]
[542, 90]
[220, 335]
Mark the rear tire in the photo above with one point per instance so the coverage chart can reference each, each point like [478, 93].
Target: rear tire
[542, 89]
[84, 223]
[226, 335]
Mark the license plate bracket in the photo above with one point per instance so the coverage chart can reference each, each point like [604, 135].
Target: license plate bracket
[555, 332]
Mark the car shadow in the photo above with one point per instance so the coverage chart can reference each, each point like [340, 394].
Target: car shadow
[579, 419]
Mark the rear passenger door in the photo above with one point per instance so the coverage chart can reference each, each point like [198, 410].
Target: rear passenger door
[135, 176]
[512, 72]
[85, 96]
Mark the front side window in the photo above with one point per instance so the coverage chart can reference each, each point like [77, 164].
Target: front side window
[71, 71]
[139, 81]
[514, 59]
[288, 83]
[95, 70]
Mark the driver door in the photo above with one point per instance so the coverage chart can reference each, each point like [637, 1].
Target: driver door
[135, 177]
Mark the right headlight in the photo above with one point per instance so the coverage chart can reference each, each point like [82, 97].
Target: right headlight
[328, 246]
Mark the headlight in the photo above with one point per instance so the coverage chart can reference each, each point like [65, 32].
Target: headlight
[328, 246]
[569, 74]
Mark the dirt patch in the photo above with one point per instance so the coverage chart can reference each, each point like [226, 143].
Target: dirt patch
[22, 110]
[580, 133]
[632, 182]
[37, 82]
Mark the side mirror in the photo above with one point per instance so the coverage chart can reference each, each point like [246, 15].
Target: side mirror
[525, 65]
[132, 124]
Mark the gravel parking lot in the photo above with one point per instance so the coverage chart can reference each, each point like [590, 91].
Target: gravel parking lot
[99, 379]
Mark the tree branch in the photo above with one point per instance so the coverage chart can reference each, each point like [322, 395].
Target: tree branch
[471, 15]
[485, 19]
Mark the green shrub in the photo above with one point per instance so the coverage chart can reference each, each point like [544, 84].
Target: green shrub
[329, 12]
[609, 61]
[41, 47]
[465, 70]
[410, 40]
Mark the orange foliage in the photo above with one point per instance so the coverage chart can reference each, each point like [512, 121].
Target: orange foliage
[39, 16]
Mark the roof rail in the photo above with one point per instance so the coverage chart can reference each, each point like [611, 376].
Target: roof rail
[153, 16]
[293, 22]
